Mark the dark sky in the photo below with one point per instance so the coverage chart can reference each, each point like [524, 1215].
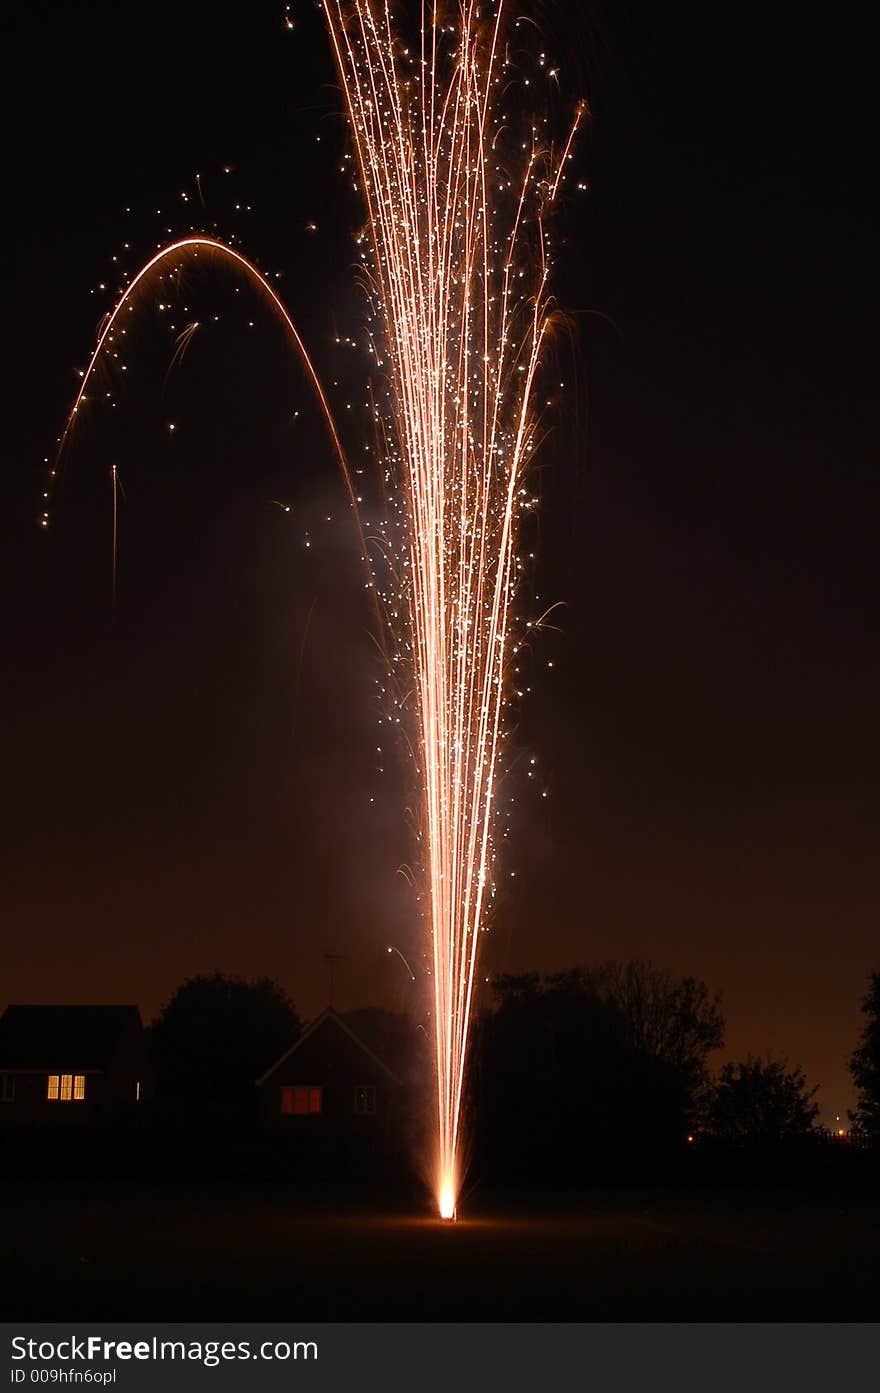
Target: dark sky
[188, 780]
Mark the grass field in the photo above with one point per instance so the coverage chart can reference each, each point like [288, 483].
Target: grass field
[76, 1251]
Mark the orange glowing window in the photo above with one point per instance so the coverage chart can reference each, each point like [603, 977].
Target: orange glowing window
[66, 1088]
[301, 1099]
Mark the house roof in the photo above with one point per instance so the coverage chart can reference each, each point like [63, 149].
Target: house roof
[54, 1037]
[329, 1016]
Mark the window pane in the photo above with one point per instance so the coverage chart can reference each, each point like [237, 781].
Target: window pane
[365, 1099]
[66, 1087]
[52, 1091]
[303, 1099]
[79, 1086]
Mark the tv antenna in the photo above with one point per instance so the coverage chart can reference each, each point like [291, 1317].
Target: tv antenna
[331, 959]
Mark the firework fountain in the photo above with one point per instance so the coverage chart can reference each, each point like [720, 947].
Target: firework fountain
[457, 266]
[456, 259]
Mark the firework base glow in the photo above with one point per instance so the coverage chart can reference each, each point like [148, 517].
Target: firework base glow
[446, 1199]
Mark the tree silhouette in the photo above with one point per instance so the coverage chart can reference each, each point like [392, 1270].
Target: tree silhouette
[761, 1103]
[589, 1071]
[865, 1065]
[215, 1036]
[674, 1020]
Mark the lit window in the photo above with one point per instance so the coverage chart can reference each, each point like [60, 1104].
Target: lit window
[66, 1088]
[137, 1091]
[365, 1100]
[301, 1100]
[7, 1088]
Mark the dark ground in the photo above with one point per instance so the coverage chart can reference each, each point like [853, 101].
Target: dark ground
[77, 1250]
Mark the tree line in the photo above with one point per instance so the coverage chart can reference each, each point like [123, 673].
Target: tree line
[610, 1063]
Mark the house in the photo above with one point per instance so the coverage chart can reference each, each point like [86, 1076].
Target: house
[71, 1063]
[331, 1095]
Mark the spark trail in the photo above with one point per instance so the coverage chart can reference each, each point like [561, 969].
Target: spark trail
[173, 256]
[458, 265]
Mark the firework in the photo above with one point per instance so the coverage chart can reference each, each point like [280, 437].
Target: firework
[172, 258]
[456, 257]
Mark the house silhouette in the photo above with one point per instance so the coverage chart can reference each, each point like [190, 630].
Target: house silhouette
[71, 1063]
[331, 1095]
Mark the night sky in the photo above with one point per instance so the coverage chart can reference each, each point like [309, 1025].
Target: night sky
[192, 781]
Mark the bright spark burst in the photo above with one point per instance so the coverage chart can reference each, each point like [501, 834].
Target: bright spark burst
[458, 264]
